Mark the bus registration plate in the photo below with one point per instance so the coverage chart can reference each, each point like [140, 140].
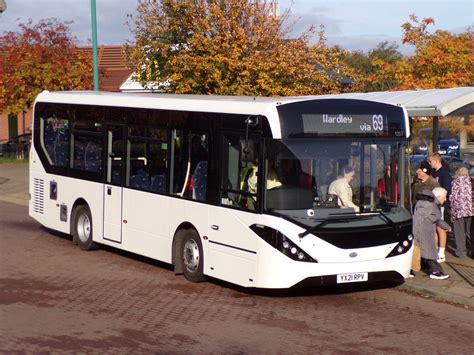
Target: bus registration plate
[353, 277]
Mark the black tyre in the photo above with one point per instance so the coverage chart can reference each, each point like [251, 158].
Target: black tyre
[191, 257]
[82, 228]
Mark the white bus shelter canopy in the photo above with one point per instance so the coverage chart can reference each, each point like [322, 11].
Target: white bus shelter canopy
[433, 102]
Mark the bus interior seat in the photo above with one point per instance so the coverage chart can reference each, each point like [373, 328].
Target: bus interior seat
[79, 155]
[200, 181]
[288, 197]
[116, 177]
[158, 183]
[141, 180]
[92, 157]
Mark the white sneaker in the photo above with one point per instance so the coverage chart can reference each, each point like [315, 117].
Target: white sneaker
[441, 259]
[438, 276]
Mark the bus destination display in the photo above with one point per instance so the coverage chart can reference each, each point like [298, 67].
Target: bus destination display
[366, 124]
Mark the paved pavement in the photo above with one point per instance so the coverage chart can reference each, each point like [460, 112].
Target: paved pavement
[459, 288]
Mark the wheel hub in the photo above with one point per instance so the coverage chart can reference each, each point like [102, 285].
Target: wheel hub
[83, 227]
[191, 255]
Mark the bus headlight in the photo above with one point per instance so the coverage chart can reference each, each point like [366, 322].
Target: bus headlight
[281, 243]
[402, 247]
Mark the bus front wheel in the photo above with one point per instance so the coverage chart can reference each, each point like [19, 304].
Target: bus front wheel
[192, 257]
[82, 228]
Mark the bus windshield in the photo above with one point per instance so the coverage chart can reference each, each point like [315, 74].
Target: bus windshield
[332, 177]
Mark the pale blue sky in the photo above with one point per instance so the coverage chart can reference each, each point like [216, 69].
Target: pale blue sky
[353, 24]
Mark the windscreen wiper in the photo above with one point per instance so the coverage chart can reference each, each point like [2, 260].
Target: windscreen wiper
[380, 213]
[334, 218]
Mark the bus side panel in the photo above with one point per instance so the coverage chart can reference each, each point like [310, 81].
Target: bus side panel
[46, 209]
[152, 220]
[147, 230]
[232, 245]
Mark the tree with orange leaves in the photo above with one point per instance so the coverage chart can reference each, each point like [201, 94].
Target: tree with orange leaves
[230, 47]
[39, 57]
[441, 59]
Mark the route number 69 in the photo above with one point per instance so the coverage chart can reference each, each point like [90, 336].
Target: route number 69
[377, 122]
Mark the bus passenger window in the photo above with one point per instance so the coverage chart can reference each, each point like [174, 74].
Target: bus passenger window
[240, 176]
[199, 166]
[56, 139]
[146, 165]
[190, 164]
[87, 152]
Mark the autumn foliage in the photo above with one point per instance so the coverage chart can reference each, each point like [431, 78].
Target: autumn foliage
[441, 59]
[39, 57]
[231, 47]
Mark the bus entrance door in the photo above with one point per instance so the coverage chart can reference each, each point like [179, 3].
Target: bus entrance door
[113, 189]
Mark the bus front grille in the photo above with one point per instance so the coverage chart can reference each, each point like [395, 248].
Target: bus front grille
[38, 196]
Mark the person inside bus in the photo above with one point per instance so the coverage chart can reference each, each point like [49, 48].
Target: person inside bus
[198, 152]
[252, 182]
[384, 187]
[342, 188]
[288, 171]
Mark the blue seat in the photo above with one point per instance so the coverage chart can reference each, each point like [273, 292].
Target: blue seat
[92, 157]
[140, 181]
[116, 177]
[62, 149]
[50, 141]
[200, 181]
[158, 183]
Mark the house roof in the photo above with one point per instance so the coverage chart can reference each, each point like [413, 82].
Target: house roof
[114, 67]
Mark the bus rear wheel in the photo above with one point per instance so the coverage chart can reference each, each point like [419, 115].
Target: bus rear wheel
[82, 228]
[192, 257]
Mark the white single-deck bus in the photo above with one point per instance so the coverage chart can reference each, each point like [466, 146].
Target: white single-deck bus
[234, 188]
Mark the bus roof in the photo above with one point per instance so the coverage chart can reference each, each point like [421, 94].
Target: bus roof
[180, 102]
[253, 105]
[240, 105]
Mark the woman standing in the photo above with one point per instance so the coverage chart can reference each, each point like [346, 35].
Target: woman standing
[461, 210]
[426, 218]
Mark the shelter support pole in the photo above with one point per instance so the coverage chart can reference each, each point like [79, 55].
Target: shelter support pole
[435, 134]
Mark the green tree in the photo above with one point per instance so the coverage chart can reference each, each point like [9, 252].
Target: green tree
[364, 64]
[230, 47]
[39, 57]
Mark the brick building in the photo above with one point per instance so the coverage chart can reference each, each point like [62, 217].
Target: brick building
[113, 69]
